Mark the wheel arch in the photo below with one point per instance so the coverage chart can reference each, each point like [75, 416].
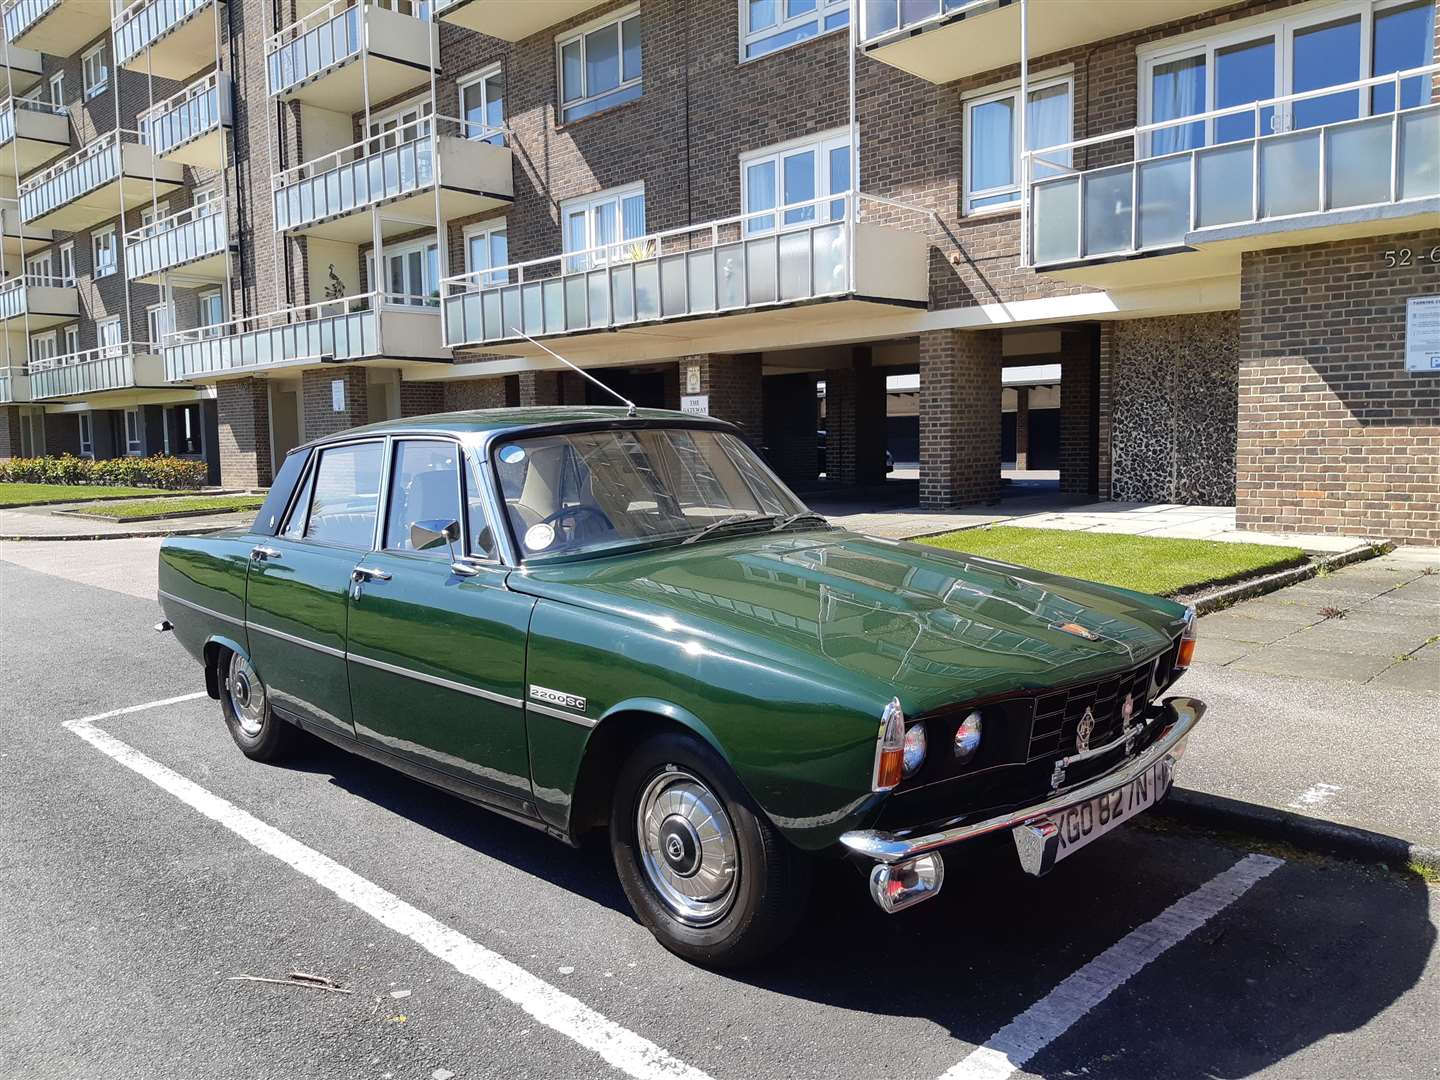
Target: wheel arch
[213, 646]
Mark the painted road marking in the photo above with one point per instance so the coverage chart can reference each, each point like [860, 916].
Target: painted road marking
[1315, 795]
[1038, 1026]
[622, 1048]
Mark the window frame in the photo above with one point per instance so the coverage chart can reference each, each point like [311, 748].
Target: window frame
[202, 297]
[72, 337]
[168, 310]
[87, 435]
[381, 281]
[392, 459]
[824, 11]
[100, 343]
[66, 255]
[821, 143]
[133, 447]
[589, 204]
[988, 95]
[305, 487]
[95, 89]
[54, 83]
[46, 336]
[482, 78]
[581, 34]
[97, 269]
[486, 229]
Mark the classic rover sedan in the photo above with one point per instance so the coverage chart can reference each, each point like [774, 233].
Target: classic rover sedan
[594, 618]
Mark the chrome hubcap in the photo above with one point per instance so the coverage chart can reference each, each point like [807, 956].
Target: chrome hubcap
[247, 696]
[688, 847]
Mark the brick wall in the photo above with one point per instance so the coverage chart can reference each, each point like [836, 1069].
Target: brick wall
[482, 393]
[62, 434]
[317, 399]
[959, 417]
[1079, 378]
[243, 409]
[1335, 435]
[9, 432]
[733, 384]
[421, 399]
[855, 422]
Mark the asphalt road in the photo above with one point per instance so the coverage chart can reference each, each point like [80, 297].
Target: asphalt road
[126, 910]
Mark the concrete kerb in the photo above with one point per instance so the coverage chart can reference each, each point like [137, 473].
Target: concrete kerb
[1226, 595]
[1306, 833]
[127, 535]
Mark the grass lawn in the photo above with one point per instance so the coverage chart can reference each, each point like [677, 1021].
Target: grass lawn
[179, 504]
[1152, 564]
[30, 494]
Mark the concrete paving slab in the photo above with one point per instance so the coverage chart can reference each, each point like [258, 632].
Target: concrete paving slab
[1335, 636]
[1420, 676]
[1228, 626]
[1271, 609]
[1219, 651]
[1301, 663]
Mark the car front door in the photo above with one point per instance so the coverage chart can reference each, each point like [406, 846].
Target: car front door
[299, 584]
[436, 655]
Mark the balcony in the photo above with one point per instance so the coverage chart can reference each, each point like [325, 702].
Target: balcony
[22, 67]
[37, 130]
[57, 27]
[1191, 188]
[39, 301]
[723, 270]
[17, 237]
[510, 19]
[944, 40]
[191, 248]
[172, 39]
[343, 55]
[193, 126]
[336, 331]
[95, 183]
[405, 170]
[111, 367]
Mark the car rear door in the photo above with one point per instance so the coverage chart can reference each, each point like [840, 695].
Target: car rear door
[436, 656]
[299, 584]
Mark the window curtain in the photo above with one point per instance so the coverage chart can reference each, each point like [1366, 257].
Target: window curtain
[1177, 89]
[1048, 124]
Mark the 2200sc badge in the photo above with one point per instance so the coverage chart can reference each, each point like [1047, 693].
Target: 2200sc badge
[601, 619]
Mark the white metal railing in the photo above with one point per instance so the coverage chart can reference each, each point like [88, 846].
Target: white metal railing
[14, 291]
[7, 114]
[21, 15]
[342, 329]
[7, 390]
[882, 18]
[195, 111]
[327, 36]
[1161, 183]
[730, 264]
[144, 22]
[108, 367]
[397, 162]
[93, 165]
[194, 233]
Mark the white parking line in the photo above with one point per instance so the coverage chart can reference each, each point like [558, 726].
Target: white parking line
[1315, 795]
[1050, 1017]
[626, 1051]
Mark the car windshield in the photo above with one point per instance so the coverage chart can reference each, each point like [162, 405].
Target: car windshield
[588, 491]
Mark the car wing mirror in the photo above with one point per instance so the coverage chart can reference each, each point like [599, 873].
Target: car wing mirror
[429, 535]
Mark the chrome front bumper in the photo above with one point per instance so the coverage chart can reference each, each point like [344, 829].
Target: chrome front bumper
[1178, 718]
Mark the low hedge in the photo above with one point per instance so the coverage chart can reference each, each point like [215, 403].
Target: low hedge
[171, 473]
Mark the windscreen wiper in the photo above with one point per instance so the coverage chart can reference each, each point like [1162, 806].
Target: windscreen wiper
[727, 522]
[807, 516]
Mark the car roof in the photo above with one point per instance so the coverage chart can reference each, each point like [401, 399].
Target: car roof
[485, 421]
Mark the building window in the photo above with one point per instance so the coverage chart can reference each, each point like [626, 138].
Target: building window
[87, 436]
[211, 312]
[149, 215]
[95, 65]
[486, 248]
[795, 175]
[609, 221]
[412, 274]
[159, 321]
[133, 445]
[482, 106]
[992, 136]
[768, 25]
[66, 268]
[102, 251]
[72, 340]
[40, 269]
[599, 65]
[42, 347]
[57, 89]
[883, 16]
[108, 335]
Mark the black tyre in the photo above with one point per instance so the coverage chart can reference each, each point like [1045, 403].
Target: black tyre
[703, 868]
[245, 703]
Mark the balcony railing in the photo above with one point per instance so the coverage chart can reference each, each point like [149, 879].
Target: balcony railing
[195, 233]
[89, 168]
[398, 162]
[144, 22]
[199, 110]
[331, 35]
[735, 264]
[23, 67]
[110, 367]
[21, 15]
[94, 178]
[31, 105]
[1164, 185]
[57, 27]
[14, 385]
[18, 293]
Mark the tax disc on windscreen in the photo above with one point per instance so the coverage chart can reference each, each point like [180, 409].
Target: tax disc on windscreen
[512, 455]
[539, 537]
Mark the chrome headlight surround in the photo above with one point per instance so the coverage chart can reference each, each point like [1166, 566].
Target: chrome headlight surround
[912, 754]
[968, 737]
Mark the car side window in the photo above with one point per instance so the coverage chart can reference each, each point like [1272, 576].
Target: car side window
[294, 527]
[424, 486]
[482, 536]
[346, 495]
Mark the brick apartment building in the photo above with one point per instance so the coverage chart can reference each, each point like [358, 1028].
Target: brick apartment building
[230, 226]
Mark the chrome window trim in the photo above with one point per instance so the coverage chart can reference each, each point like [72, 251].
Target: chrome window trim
[327, 650]
[200, 608]
[560, 714]
[434, 680]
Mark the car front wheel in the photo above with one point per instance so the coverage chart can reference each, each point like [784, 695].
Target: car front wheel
[704, 870]
[245, 704]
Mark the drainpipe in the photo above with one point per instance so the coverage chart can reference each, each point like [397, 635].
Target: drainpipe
[1024, 107]
[853, 201]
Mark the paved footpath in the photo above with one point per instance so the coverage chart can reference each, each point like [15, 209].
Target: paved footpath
[1325, 698]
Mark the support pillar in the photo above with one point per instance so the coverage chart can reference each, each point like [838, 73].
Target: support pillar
[1022, 428]
[855, 423]
[9, 432]
[959, 417]
[1079, 413]
[792, 416]
[318, 399]
[243, 412]
[733, 385]
[497, 393]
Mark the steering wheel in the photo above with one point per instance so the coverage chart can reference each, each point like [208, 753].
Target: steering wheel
[571, 511]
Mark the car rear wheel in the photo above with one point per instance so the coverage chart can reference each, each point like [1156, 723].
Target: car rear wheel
[704, 870]
[245, 703]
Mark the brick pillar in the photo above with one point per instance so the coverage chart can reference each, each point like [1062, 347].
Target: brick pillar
[62, 434]
[479, 393]
[855, 422]
[1022, 428]
[1104, 412]
[317, 396]
[539, 388]
[243, 408]
[733, 384]
[792, 415]
[1079, 373]
[673, 383]
[421, 398]
[9, 432]
[959, 417]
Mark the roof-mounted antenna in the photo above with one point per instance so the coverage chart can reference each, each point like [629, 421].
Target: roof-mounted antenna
[630, 405]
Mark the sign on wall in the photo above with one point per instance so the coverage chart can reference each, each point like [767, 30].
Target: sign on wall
[1422, 334]
[337, 395]
[697, 404]
[692, 379]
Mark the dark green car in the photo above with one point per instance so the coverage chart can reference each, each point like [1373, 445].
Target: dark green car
[587, 619]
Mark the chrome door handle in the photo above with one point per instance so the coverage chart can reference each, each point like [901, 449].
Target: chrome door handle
[262, 553]
[365, 573]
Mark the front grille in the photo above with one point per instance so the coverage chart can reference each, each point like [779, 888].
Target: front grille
[1058, 713]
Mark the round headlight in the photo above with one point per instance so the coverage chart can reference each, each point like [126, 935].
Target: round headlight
[967, 738]
[914, 749]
